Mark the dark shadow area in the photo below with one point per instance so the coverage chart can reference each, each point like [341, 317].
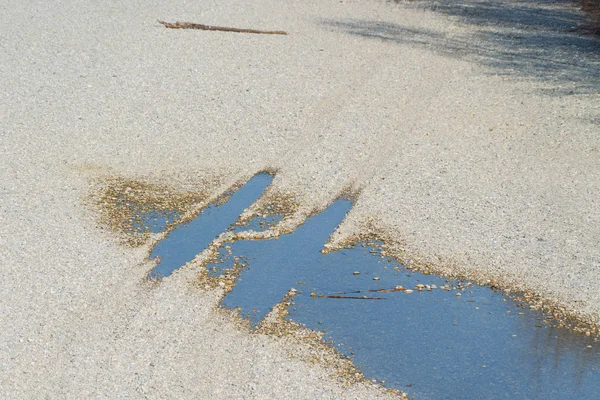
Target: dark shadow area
[591, 6]
[592, 10]
[527, 39]
[556, 15]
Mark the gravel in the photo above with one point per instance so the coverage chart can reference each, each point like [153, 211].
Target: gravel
[473, 157]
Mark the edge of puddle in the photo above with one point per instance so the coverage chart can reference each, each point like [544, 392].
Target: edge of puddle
[566, 315]
[304, 344]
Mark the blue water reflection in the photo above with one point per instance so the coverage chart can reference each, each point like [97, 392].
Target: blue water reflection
[430, 337]
[189, 239]
[459, 342]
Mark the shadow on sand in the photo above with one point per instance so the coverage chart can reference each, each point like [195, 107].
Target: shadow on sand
[526, 39]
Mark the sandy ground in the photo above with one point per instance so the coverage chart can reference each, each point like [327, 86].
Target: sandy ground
[471, 133]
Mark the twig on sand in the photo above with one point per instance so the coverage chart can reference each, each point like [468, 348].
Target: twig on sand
[190, 25]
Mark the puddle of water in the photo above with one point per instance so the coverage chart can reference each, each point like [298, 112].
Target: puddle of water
[447, 340]
[429, 343]
[283, 262]
[191, 238]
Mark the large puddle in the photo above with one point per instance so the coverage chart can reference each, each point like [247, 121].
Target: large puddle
[424, 335]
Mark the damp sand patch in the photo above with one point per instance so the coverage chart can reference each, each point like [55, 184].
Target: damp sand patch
[135, 209]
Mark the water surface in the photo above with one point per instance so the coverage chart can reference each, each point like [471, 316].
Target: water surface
[454, 341]
[191, 238]
[425, 335]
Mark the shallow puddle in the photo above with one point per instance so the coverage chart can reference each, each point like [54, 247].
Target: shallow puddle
[191, 238]
[427, 336]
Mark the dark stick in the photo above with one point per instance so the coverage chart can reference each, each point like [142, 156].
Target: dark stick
[376, 291]
[354, 297]
[190, 25]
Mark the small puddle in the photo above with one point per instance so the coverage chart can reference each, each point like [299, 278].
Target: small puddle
[191, 238]
[422, 334]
